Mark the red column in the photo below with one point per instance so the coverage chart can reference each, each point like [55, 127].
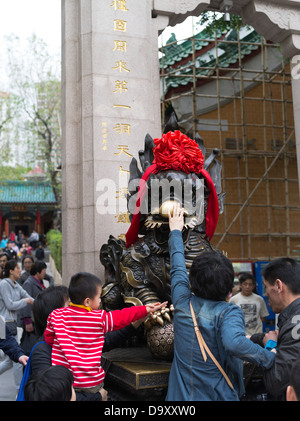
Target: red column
[6, 227]
[38, 222]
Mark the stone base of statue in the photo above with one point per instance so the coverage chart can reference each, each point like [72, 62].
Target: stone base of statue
[134, 374]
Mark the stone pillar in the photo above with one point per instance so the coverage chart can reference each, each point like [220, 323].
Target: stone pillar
[110, 101]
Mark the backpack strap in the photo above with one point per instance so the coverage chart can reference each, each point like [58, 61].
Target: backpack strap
[27, 373]
[203, 347]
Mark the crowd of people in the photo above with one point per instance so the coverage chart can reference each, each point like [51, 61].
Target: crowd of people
[17, 245]
[214, 330]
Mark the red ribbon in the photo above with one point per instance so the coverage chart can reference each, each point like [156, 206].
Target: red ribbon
[212, 214]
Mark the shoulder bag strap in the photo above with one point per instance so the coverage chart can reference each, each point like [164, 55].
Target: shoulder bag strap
[203, 347]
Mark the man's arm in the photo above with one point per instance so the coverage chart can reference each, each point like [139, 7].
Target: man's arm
[277, 378]
[11, 347]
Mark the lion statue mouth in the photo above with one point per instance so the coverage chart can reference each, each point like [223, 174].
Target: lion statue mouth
[160, 226]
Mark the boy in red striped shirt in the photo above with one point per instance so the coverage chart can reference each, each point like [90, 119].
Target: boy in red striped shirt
[76, 333]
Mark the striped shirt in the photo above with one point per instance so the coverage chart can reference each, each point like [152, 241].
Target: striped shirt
[77, 337]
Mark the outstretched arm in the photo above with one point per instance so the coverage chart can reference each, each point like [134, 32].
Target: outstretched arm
[180, 286]
[176, 221]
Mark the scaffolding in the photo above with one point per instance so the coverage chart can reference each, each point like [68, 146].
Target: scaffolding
[239, 100]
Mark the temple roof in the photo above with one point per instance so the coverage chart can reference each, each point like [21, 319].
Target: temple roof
[26, 192]
[177, 57]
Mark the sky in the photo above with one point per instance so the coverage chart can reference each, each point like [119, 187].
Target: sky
[43, 17]
[25, 17]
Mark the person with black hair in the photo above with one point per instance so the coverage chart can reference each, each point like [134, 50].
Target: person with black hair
[33, 285]
[252, 305]
[86, 324]
[27, 263]
[52, 384]
[282, 288]
[56, 297]
[39, 252]
[46, 301]
[10, 251]
[209, 333]
[3, 260]
[12, 299]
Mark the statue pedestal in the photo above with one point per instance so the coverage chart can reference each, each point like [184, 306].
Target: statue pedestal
[133, 374]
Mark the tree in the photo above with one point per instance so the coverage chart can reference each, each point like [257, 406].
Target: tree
[34, 80]
[214, 21]
[6, 115]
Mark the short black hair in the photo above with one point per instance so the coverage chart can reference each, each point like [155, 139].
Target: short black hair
[285, 269]
[295, 377]
[83, 285]
[37, 267]
[52, 384]
[243, 276]
[45, 302]
[212, 276]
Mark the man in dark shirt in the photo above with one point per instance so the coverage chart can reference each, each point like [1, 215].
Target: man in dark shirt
[282, 283]
[10, 251]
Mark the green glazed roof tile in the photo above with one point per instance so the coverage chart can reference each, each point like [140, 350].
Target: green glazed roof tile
[26, 192]
[228, 55]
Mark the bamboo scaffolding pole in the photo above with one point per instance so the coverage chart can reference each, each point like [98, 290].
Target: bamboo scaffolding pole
[219, 123]
[274, 84]
[264, 52]
[264, 205]
[194, 92]
[285, 162]
[255, 188]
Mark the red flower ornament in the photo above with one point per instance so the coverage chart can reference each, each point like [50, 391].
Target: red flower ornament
[178, 152]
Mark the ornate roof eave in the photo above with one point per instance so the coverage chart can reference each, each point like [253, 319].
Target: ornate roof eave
[276, 20]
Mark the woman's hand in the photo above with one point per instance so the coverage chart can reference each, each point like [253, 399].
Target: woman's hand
[176, 221]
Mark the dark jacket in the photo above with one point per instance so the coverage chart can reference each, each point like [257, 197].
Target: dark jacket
[277, 378]
[40, 254]
[33, 287]
[10, 346]
[23, 277]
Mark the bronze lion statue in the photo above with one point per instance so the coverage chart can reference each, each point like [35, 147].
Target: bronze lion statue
[137, 271]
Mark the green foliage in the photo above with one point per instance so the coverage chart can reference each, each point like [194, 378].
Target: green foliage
[8, 111]
[13, 173]
[213, 22]
[34, 80]
[54, 240]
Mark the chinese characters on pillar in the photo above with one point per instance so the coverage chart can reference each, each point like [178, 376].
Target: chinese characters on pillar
[120, 88]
